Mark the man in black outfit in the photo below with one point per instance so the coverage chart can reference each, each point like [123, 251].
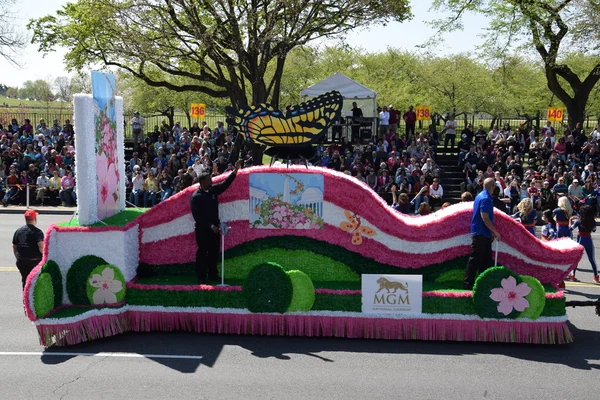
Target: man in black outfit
[205, 209]
[28, 245]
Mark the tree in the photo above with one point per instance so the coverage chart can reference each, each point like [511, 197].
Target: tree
[223, 46]
[546, 27]
[11, 39]
[38, 90]
[63, 87]
[81, 83]
[12, 92]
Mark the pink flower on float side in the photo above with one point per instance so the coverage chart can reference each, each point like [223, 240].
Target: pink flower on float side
[511, 296]
[107, 187]
[106, 287]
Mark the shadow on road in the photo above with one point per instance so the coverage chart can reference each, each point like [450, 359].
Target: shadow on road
[583, 354]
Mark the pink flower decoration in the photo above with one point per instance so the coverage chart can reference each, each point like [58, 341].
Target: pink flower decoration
[511, 296]
[108, 185]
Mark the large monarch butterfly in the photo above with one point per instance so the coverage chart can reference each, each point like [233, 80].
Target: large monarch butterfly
[300, 125]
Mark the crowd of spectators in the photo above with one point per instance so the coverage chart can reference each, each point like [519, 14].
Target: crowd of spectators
[526, 163]
[393, 162]
[168, 159]
[37, 162]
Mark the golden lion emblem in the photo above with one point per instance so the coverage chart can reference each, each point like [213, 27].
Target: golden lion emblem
[390, 285]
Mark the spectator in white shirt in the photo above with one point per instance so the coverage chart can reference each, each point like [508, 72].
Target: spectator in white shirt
[436, 192]
[198, 167]
[42, 183]
[450, 128]
[430, 167]
[137, 127]
[137, 191]
[384, 121]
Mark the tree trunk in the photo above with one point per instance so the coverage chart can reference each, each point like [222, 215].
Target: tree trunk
[189, 117]
[575, 114]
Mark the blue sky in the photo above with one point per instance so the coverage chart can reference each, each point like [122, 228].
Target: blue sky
[273, 183]
[403, 36]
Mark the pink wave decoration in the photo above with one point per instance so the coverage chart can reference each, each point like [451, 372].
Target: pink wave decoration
[306, 325]
[338, 292]
[155, 252]
[184, 288]
[350, 194]
[449, 295]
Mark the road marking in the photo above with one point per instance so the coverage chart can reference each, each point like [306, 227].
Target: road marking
[101, 354]
[582, 284]
[8, 269]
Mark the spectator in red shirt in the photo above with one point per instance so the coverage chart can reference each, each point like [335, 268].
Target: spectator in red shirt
[410, 118]
[560, 148]
[534, 194]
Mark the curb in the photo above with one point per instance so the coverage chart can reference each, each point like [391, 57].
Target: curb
[41, 210]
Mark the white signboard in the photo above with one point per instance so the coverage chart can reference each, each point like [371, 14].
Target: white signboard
[398, 294]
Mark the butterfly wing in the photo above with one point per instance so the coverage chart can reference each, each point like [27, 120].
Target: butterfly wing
[356, 238]
[366, 231]
[301, 125]
[351, 217]
[347, 227]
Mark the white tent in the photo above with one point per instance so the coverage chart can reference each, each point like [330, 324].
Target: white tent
[351, 90]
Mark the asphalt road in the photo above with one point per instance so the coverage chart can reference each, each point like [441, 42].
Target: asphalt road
[196, 366]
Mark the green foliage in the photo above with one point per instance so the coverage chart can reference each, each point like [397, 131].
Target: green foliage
[212, 48]
[36, 90]
[43, 295]
[551, 28]
[316, 266]
[555, 308]
[331, 302]
[77, 278]
[490, 279]
[53, 270]
[536, 298]
[303, 296]
[118, 276]
[119, 219]
[356, 262]
[186, 298]
[268, 289]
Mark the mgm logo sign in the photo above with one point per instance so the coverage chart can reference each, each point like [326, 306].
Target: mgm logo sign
[392, 296]
[392, 293]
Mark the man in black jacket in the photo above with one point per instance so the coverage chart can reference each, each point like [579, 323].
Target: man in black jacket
[28, 245]
[205, 209]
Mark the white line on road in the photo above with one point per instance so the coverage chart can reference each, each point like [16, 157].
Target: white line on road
[116, 355]
[8, 269]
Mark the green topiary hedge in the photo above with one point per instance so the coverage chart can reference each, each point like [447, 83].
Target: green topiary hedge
[268, 288]
[77, 278]
[490, 279]
[43, 295]
[53, 270]
[536, 298]
[303, 294]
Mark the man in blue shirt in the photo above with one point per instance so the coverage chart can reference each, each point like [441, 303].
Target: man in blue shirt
[483, 233]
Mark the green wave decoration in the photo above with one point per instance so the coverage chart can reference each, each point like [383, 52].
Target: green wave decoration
[319, 260]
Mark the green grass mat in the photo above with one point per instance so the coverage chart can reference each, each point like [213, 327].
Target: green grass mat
[119, 219]
[187, 280]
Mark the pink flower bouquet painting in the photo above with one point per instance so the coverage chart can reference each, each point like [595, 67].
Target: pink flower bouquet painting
[107, 162]
[286, 201]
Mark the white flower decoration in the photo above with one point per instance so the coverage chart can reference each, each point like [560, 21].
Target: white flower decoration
[106, 286]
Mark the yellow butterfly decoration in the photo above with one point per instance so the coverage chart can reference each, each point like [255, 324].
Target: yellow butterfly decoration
[299, 125]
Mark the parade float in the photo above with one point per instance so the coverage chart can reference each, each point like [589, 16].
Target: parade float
[308, 252]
